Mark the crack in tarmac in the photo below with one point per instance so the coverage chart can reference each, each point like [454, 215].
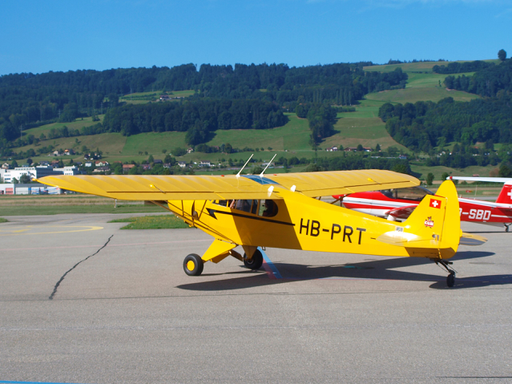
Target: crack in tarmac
[76, 265]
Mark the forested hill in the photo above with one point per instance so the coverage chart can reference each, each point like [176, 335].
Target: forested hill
[422, 126]
[28, 100]
[491, 81]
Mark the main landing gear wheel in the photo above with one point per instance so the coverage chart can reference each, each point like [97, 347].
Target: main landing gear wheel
[256, 261]
[193, 265]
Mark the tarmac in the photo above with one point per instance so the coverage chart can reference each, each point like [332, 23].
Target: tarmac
[82, 301]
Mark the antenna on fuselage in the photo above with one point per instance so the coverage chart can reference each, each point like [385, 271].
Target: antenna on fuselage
[240, 171]
[268, 165]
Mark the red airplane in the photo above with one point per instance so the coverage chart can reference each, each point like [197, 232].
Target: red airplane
[397, 204]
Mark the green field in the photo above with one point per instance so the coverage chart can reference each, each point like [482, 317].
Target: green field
[145, 97]
[77, 124]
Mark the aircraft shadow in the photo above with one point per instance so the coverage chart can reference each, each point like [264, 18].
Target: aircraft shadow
[385, 269]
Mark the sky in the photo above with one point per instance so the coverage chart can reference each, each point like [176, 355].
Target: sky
[66, 35]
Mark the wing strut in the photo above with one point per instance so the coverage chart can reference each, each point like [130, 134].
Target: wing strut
[268, 165]
[247, 162]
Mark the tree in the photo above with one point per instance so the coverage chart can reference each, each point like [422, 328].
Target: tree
[502, 55]
[430, 179]
[179, 151]
[505, 170]
[117, 168]
[25, 179]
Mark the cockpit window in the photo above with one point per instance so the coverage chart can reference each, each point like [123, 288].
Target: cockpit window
[414, 193]
[250, 206]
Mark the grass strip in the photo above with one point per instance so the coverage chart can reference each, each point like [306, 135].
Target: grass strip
[152, 222]
[59, 209]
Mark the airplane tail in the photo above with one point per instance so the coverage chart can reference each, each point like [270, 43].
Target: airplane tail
[505, 196]
[433, 228]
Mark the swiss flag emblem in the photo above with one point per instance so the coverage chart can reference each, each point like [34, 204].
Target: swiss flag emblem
[434, 203]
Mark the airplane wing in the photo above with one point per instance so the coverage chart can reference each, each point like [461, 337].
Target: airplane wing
[221, 187]
[506, 180]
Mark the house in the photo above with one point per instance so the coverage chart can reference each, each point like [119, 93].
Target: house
[127, 167]
[101, 170]
[182, 164]
[69, 170]
[332, 149]
[204, 163]
[92, 156]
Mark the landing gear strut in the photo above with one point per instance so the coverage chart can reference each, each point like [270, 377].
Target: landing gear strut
[450, 280]
[507, 226]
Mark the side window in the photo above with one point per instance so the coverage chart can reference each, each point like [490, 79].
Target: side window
[250, 206]
[268, 208]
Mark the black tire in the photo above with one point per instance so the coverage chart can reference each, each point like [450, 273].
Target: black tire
[193, 265]
[450, 280]
[256, 261]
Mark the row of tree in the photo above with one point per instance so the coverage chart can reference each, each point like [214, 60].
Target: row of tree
[423, 125]
[457, 67]
[198, 118]
[27, 100]
[493, 81]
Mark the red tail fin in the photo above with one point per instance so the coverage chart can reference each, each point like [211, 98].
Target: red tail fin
[505, 196]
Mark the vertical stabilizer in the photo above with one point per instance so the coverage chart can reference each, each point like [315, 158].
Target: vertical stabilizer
[436, 221]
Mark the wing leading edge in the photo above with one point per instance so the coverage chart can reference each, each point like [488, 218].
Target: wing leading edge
[207, 187]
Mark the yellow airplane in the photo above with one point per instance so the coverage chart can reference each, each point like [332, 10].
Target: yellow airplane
[285, 211]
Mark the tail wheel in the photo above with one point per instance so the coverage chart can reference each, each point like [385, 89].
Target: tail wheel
[450, 280]
[255, 262]
[193, 265]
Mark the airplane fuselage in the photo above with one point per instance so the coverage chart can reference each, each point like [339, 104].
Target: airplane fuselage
[306, 224]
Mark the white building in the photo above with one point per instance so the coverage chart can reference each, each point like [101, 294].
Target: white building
[28, 189]
[36, 172]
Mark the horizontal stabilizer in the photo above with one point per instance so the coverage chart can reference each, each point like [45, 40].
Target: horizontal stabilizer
[470, 239]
